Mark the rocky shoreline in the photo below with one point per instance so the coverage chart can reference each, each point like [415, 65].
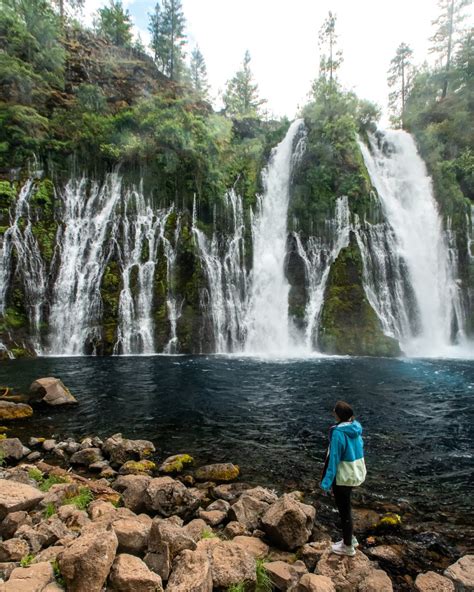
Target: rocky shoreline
[101, 514]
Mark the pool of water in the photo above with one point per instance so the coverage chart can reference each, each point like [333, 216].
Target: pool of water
[272, 417]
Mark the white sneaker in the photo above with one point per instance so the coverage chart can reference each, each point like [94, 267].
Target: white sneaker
[342, 549]
[354, 542]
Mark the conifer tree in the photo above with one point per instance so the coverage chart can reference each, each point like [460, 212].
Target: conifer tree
[241, 94]
[198, 74]
[115, 23]
[446, 37]
[167, 24]
[331, 57]
[400, 79]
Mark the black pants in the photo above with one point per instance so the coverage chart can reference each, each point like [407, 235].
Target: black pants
[342, 497]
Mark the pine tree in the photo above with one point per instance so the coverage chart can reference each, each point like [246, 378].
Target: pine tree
[241, 94]
[115, 23]
[73, 4]
[446, 37]
[166, 26]
[198, 73]
[400, 78]
[331, 57]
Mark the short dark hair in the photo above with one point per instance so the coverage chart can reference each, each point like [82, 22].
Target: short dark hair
[343, 410]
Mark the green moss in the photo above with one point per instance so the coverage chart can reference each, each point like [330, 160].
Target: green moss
[349, 325]
[81, 500]
[14, 319]
[47, 483]
[177, 463]
[7, 194]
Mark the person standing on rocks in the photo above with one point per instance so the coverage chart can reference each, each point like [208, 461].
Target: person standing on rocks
[343, 470]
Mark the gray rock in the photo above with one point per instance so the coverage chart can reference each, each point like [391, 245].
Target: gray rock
[121, 449]
[248, 511]
[166, 496]
[165, 532]
[87, 456]
[52, 392]
[13, 449]
[133, 489]
[48, 445]
[133, 533]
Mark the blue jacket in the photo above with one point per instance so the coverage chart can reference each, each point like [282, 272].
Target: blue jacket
[346, 463]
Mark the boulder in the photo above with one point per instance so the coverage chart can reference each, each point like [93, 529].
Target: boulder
[176, 463]
[31, 535]
[433, 582]
[288, 522]
[86, 563]
[220, 505]
[72, 517]
[248, 511]
[234, 528]
[13, 549]
[262, 494]
[137, 467]
[212, 517]
[217, 472]
[121, 449]
[230, 492]
[130, 574]
[191, 573]
[49, 445]
[51, 391]
[160, 562]
[376, 581]
[99, 508]
[195, 528]
[9, 410]
[17, 496]
[87, 457]
[314, 583]
[253, 545]
[166, 496]
[168, 533]
[34, 578]
[133, 489]
[12, 522]
[231, 564]
[390, 554]
[284, 575]
[6, 570]
[13, 449]
[311, 552]
[462, 574]
[345, 572]
[133, 533]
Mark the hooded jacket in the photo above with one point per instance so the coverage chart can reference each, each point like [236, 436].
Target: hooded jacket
[346, 463]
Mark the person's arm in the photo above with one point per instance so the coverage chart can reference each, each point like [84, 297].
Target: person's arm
[335, 455]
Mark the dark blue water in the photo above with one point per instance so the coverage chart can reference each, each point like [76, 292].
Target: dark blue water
[272, 418]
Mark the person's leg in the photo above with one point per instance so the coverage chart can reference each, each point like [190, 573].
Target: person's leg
[342, 497]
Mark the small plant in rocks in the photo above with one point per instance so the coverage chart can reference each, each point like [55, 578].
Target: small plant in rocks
[36, 475]
[46, 484]
[207, 533]
[240, 587]
[27, 560]
[50, 510]
[263, 584]
[81, 500]
[57, 573]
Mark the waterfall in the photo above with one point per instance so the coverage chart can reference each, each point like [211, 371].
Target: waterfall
[142, 228]
[19, 239]
[88, 218]
[173, 302]
[417, 246]
[267, 317]
[223, 259]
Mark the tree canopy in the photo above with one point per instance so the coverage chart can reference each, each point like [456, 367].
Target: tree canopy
[241, 97]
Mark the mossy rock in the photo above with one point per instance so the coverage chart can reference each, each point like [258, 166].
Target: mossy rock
[389, 521]
[7, 194]
[140, 467]
[10, 411]
[176, 463]
[217, 472]
[349, 324]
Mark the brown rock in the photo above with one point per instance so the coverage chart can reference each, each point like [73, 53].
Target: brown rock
[248, 511]
[284, 575]
[288, 522]
[191, 573]
[195, 528]
[229, 492]
[17, 496]
[122, 449]
[392, 554]
[168, 496]
[130, 574]
[133, 489]
[31, 535]
[34, 578]
[254, 546]
[212, 517]
[133, 533]
[13, 549]
[98, 508]
[462, 574]
[49, 554]
[87, 456]
[160, 561]
[175, 537]
[345, 572]
[51, 391]
[364, 519]
[234, 528]
[311, 552]
[9, 410]
[220, 505]
[6, 570]
[217, 472]
[12, 522]
[13, 449]
[86, 563]
[263, 495]
[231, 564]
[433, 582]
[376, 581]
[315, 583]
[72, 517]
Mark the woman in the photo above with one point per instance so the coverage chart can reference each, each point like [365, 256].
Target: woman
[343, 470]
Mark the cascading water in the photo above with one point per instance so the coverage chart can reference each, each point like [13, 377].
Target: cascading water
[267, 318]
[19, 238]
[83, 249]
[173, 302]
[406, 195]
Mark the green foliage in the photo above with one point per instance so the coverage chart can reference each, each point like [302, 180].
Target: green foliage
[91, 98]
[36, 475]
[47, 483]
[2, 458]
[198, 74]
[114, 23]
[331, 57]
[57, 574]
[240, 587]
[263, 583]
[49, 510]
[27, 560]
[207, 533]
[241, 94]
[400, 78]
[81, 500]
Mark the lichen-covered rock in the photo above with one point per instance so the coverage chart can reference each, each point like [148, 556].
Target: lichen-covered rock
[17, 496]
[288, 523]
[52, 392]
[137, 467]
[167, 496]
[130, 574]
[191, 573]
[462, 574]
[217, 472]
[86, 563]
[13, 449]
[176, 463]
[248, 511]
[10, 410]
[121, 449]
[34, 578]
[314, 583]
[433, 582]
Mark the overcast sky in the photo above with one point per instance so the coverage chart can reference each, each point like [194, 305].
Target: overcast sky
[282, 37]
